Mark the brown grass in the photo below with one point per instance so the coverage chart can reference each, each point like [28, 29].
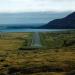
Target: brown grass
[11, 57]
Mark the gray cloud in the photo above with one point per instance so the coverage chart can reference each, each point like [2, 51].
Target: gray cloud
[36, 5]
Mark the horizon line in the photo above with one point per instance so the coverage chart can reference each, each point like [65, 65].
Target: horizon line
[37, 12]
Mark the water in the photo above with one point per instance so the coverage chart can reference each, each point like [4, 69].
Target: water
[32, 30]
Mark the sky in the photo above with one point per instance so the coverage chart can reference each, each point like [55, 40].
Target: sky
[11, 6]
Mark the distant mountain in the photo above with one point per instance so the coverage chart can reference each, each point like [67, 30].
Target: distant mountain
[32, 20]
[67, 22]
[29, 18]
[15, 26]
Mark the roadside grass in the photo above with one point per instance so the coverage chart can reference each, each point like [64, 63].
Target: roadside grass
[35, 62]
[48, 61]
[49, 73]
[13, 41]
[57, 40]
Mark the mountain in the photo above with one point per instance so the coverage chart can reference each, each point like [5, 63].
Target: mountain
[29, 18]
[67, 22]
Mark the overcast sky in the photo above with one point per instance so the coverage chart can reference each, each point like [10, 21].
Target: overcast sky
[36, 5]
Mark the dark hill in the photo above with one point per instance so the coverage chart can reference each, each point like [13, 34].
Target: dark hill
[67, 22]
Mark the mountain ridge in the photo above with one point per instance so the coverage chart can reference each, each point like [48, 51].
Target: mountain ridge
[67, 22]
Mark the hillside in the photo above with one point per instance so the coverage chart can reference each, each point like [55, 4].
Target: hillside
[67, 22]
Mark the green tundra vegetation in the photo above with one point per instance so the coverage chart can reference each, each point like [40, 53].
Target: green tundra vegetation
[56, 40]
[56, 57]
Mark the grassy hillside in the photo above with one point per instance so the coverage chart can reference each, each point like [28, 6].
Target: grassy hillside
[56, 57]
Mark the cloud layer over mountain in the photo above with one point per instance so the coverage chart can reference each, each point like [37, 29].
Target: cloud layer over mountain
[36, 5]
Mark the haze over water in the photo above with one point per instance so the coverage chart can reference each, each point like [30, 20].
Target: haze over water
[34, 30]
